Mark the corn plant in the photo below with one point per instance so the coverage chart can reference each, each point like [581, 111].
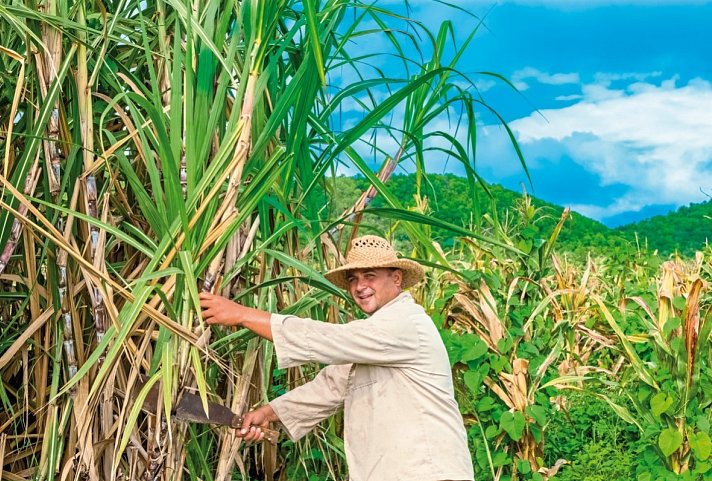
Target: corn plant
[667, 378]
[516, 336]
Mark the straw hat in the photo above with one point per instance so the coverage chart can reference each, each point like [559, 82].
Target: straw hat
[369, 252]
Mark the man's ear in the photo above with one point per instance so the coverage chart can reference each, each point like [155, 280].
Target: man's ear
[398, 277]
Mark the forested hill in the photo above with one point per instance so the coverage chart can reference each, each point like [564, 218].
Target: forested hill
[685, 230]
[450, 199]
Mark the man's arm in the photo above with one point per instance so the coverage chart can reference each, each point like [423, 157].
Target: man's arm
[300, 340]
[219, 310]
[394, 342]
[302, 408]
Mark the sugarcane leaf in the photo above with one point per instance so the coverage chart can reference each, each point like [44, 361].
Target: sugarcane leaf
[109, 229]
[167, 366]
[633, 357]
[199, 377]
[563, 381]
[621, 411]
[313, 36]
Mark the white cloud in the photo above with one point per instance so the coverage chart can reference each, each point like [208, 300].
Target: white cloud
[655, 139]
[483, 85]
[567, 98]
[519, 77]
[606, 78]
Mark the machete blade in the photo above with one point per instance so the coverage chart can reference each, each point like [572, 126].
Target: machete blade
[190, 408]
[150, 403]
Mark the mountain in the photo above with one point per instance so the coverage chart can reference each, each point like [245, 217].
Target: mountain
[451, 198]
[687, 229]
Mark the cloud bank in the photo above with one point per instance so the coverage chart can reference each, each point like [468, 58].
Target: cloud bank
[655, 139]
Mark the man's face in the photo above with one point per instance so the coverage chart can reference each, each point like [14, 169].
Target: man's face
[374, 288]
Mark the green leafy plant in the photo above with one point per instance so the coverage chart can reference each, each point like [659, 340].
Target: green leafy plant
[505, 352]
[594, 442]
[668, 381]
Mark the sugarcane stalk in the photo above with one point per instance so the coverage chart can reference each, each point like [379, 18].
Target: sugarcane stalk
[48, 66]
[52, 60]
[67, 325]
[97, 298]
[228, 208]
[176, 458]
[53, 156]
[242, 149]
[183, 175]
[19, 89]
[12, 241]
[89, 184]
[90, 191]
[238, 247]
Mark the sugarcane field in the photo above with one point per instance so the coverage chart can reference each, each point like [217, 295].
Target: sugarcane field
[335, 240]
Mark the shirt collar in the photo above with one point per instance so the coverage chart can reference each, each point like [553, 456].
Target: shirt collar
[405, 295]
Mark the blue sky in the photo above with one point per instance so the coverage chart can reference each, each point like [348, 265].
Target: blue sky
[614, 109]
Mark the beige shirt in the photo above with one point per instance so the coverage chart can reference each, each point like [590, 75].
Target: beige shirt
[391, 375]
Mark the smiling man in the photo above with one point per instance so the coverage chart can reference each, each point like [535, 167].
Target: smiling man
[389, 373]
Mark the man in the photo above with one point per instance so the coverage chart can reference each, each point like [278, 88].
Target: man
[390, 373]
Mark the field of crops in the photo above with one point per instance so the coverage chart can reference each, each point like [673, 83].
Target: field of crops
[154, 149]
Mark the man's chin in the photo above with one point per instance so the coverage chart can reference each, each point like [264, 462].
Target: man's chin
[367, 308]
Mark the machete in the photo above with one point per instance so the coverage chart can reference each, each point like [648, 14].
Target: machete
[190, 409]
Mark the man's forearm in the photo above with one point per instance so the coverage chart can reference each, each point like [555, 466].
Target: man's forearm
[258, 322]
[219, 310]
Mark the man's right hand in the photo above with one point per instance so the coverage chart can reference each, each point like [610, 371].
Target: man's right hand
[253, 421]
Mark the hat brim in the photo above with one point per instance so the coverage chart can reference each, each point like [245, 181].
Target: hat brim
[412, 272]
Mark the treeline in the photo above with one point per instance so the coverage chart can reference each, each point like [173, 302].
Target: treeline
[685, 230]
[457, 201]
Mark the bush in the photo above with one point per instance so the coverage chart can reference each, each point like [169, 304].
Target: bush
[597, 443]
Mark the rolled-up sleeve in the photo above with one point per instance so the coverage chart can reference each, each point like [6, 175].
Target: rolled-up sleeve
[302, 408]
[392, 341]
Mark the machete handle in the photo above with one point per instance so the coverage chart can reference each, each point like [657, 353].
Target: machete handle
[271, 435]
